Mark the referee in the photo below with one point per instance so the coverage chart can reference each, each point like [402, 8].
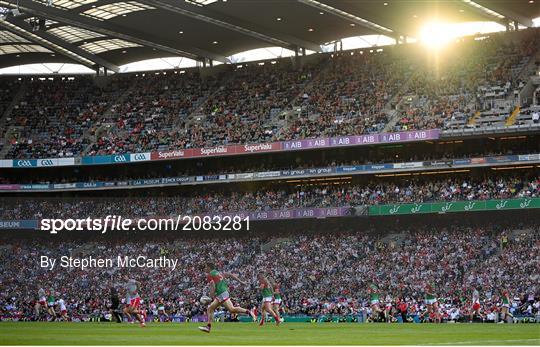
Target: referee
[115, 306]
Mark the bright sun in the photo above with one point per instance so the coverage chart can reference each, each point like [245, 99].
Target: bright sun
[437, 34]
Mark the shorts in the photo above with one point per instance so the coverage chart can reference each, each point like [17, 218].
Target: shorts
[267, 299]
[135, 302]
[506, 305]
[161, 308]
[277, 302]
[476, 306]
[50, 304]
[431, 301]
[374, 302]
[63, 312]
[223, 297]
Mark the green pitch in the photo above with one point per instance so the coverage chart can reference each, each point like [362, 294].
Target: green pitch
[251, 334]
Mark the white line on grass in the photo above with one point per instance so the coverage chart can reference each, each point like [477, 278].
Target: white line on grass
[476, 342]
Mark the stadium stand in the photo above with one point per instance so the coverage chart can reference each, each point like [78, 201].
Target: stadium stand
[347, 161]
[346, 93]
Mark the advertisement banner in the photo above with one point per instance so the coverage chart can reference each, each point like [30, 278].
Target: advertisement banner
[66, 161]
[366, 139]
[461, 161]
[297, 213]
[121, 158]
[24, 163]
[410, 165]
[64, 186]
[478, 160]
[321, 171]
[174, 154]
[528, 157]
[268, 174]
[454, 206]
[96, 159]
[298, 172]
[10, 187]
[174, 180]
[407, 136]
[439, 163]
[350, 168]
[305, 144]
[213, 151]
[290, 214]
[18, 224]
[404, 136]
[258, 148]
[376, 167]
[140, 156]
[246, 175]
[143, 182]
[47, 162]
[502, 159]
[342, 141]
[35, 186]
[90, 184]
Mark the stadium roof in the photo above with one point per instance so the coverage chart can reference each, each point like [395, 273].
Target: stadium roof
[110, 33]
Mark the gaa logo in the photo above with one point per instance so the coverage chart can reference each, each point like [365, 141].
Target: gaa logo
[140, 156]
[46, 162]
[119, 159]
[24, 163]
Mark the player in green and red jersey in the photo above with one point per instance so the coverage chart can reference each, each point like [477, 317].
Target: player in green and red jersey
[50, 305]
[267, 299]
[432, 304]
[276, 304]
[505, 308]
[374, 302]
[219, 290]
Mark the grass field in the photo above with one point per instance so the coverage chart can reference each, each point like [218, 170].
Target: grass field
[42, 333]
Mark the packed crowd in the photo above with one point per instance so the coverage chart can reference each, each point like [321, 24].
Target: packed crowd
[335, 273]
[345, 93]
[274, 198]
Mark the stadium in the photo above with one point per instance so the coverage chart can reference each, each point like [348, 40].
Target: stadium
[268, 172]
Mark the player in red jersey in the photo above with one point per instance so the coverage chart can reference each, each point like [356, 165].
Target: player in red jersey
[219, 290]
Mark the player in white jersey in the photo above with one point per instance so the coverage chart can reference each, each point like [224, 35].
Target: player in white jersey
[133, 301]
[40, 303]
[62, 308]
[475, 305]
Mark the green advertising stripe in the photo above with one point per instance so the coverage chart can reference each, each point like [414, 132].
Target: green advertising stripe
[454, 206]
